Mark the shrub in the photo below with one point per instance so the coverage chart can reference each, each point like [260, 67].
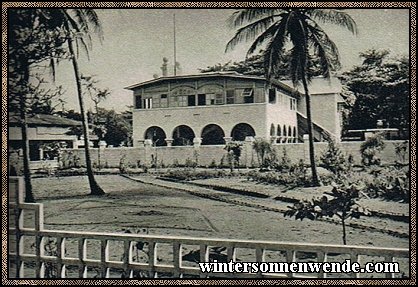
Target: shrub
[334, 160]
[190, 174]
[401, 151]
[390, 183]
[265, 152]
[370, 148]
[342, 203]
[296, 176]
[233, 149]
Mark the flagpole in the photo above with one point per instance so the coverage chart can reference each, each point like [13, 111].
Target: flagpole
[174, 33]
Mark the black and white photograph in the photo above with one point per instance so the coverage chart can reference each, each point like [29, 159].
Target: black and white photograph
[180, 143]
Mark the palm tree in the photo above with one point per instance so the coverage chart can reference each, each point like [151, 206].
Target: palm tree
[78, 24]
[277, 31]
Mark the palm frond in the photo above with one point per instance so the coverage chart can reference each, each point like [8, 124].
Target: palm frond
[324, 48]
[249, 31]
[95, 21]
[268, 34]
[275, 48]
[242, 16]
[334, 16]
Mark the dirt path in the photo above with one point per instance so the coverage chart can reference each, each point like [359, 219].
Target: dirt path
[137, 206]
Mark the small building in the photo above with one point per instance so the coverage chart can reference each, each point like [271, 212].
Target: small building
[42, 129]
[214, 108]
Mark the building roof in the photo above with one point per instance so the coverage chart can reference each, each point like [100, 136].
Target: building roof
[229, 74]
[44, 120]
[319, 85]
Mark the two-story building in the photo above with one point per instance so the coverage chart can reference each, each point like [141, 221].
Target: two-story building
[214, 108]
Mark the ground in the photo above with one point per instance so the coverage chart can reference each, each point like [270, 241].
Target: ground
[134, 205]
[184, 211]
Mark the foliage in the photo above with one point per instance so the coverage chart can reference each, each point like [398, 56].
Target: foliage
[234, 153]
[342, 204]
[254, 65]
[390, 183]
[265, 152]
[192, 174]
[285, 162]
[113, 127]
[295, 176]
[295, 32]
[370, 148]
[381, 89]
[334, 160]
[401, 150]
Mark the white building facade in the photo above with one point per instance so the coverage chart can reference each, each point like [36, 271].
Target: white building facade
[214, 108]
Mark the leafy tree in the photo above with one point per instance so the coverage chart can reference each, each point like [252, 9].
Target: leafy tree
[117, 129]
[381, 89]
[31, 43]
[254, 65]
[296, 31]
[342, 204]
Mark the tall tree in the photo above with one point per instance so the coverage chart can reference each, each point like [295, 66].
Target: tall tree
[293, 30]
[79, 25]
[380, 86]
[31, 42]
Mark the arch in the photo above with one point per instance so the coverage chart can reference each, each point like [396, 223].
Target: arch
[279, 131]
[183, 90]
[242, 130]
[284, 138]
[212, 135]
[157, 135]
[183, 135]
[289, 134]
[272, 130]
[210, 88]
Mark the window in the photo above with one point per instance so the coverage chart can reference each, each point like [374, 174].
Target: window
[191, 100]
[219, 99]
[292, 104]
[138, 102]
[183, 101]
[148, 103]
[248, 95]
[210, 99]
[272, 96]
[230, 96]
[163, 101]
[201, 99]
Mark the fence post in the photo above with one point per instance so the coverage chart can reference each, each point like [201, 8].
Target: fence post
[148, 153]
[248, 151]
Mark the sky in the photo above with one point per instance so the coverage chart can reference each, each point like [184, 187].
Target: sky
[136, 40]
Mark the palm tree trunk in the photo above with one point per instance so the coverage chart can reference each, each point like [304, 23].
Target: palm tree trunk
[315, 180]
[25, 147]
[95, 189]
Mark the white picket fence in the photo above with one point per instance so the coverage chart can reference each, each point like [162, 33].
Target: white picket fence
[40, 262]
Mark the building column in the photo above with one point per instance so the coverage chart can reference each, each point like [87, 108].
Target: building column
[169, 142]
[197, 142]
[227, 139]
[41, 153]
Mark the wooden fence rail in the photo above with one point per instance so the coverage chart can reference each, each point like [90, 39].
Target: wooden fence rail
[45, 263]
